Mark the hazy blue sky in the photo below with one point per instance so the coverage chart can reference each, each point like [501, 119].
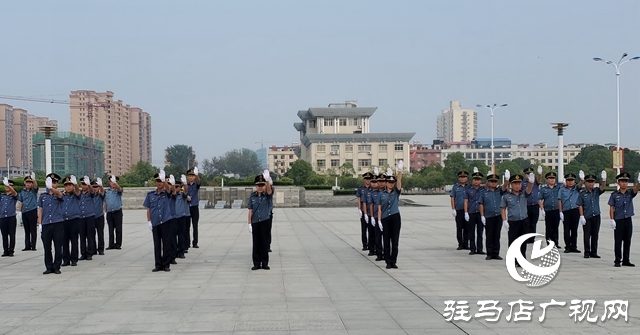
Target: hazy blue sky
[233, 73]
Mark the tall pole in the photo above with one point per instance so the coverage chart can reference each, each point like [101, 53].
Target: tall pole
[9, 167]
[492, 109]
[560, 128]
[47, 130]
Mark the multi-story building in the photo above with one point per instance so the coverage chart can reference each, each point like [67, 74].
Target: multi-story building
[280, 159]
[33, 126]
[70, 154]
[6, 127]
[339, 134]
[125, 131]
[421, 156]
[263, 158]
[457, 124]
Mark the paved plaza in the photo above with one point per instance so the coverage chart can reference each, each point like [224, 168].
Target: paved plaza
[320, 282]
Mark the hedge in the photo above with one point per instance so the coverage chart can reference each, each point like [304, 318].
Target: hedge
[344, 192]
[251, 183]
[317, 187]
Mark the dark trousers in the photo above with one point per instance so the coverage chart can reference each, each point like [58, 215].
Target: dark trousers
[30, 224]
[195, 217]
[517, 229]
[260, 238]
[494, 227]
[462, 233]
[270, 227]
[551, 225]
[52, 232]
[70, 236]
[590, 230]
[8, 228]
[114, 220]
[378, 236]
[533, 214]
[183, 240]
[475, 225]
[174, 227]
[99, 226]
[162, 245]
[371, 235]
[622, 235]
[363, 230]
[87, 236]
[391, 234]
[571, 222]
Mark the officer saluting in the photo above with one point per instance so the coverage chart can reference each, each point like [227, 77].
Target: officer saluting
[490, 201]
[71, 223]
[157, 204]
[113, 203]
[533, 208]
[568, 204]
[28, 209]
[514, 209]
[457, 209]
[50, 224]
[589, 207]
[258, 219]
[193, 187]
[548, 201]
[8, 221]
[472, 212]
[620, 212]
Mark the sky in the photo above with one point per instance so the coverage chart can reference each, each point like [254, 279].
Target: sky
[232, 74]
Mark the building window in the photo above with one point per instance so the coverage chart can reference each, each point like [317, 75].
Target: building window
[335, 147]
[335, 163]
[343, 122]
[382, 148]
[320, 147]
[364, 147]
[354, 121]
[320, 163]
[382, 162]
[312, 123]
[364, 163]
[290, 156]
[348, 161]
[348, 148]
[328, 122]
[398, 147]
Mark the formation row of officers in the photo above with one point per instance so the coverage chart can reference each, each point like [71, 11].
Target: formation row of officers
[522, 199]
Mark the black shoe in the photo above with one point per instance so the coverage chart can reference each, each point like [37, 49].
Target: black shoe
[47, 272]
[57, 271]
[74, 263]
[472, 252]
[11, 254]
[5, 255]
[459, 248]
[481, 253]
[195, 246]
[34, 249]
[566, 251]
[89, 258]
[110, 248]
[269, 250]
[364, 248]
[167, 269]
[488, 257]
[266, 267]
[371, 253]
[26, 249]
[465, 247]
[95, 252]
[186, 251]
[379, 258]
[118, 248]
[388, 266]
[586, 255]
[594, 256]
[173, 261]
[616, 265]
[496, 257]
[181, 256]
[101, 253]
[627, 264]
[575, 251]
[394, 266]
[156, 270]
[255, 268]
[66, 264]
[558, 246]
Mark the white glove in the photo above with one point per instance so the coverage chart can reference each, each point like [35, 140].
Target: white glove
[561, 216]
[366, 218]
[532, 178]
[505, 225]
[581, 175]
[475, 169]
[454, 212]
[99, 181]
[582, 220]
[113, 179]
[40, 229]
[507, 174]
[603, 175]
[150, 226]
[360, 211]
[195, 170]
[73, 179]
[172, 179]
[5, 181]
[613, 224]
[376, 171]
[18, 216]
[48, 182]
[639, 177]
[389, 172]
[466, 217]
[400, 165]
[33, 175]
[380, 225]
[484, 221]
[542, 213]
[266, 175]
[183, 179]
[250, 229]
[539, 169]
[86, 180]
[162, 175]
[373, 221]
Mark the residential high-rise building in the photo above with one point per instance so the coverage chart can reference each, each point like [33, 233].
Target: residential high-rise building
[457, 124]
[33, 126]
[125, 130]
[70, 154]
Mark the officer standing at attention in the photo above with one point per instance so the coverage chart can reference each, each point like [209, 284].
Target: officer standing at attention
[369, 218]
[490, 201]
[71, 223]
[87, 221]
[389, 215]
[158, 214]
[533, 208]
[98, 209]
[457, 209]
[50, 224]
[472, 212]
[621, 212]
[8, 221]
[378, 186]
[568, 203]
[548, 202]
[589, 208]
[28, 209]
[173, 221]
[514, 209]
[113, 203]
[258, 220]
[361, 195]
[194, 201]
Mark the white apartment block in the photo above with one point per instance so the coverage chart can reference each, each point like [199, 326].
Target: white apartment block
[280, 159]
[339, 134]
[457, 124]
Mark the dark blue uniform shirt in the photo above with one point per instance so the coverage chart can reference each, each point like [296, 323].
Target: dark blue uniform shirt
[473, 196]
[491, 200]
[192, 190]
[533, 198]
[51, 208]
[549, 197]
[158, 204]
[98, 205]
[569, 197]
[182, 206]
[622, 204]
[70, 206]
[389, 202]
[29, 199]
[260, 205]
[373, 199]
[113, 198]
[457, 193]
[590, 202]
[8, 205]
[86, 205]
[516, 205]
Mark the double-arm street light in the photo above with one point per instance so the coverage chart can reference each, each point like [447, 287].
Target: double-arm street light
[492, 109]
[617, 67]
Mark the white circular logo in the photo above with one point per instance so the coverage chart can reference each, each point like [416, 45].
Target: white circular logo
[535, 275]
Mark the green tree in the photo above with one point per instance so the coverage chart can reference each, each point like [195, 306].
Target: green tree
[482, 167]
[452, 164]
[434, 179]
[346, 169]
[180, 157]
[138, 174]
[508, 165]
[574, 167]
[348, 182]
[522, 163]
[301, 172]
[243, 162]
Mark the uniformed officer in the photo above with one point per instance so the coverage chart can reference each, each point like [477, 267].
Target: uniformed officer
[568, 202]
[113, 204]
[194, 200]
[182, 214]
[28, 209]
[258, 220]
[87, 221]
[369, 218]
[548, 202]
[620, 212]
[490, 201]
[158, 214]
[8, 221]
[50, 224]
[589, 208]
[173, 221]
[389, 215]
[98, 209]
[378, 184]
[514, 209]
[472, 212]
[71, 220]
[457, 209]
[361, 195]
[533, 208]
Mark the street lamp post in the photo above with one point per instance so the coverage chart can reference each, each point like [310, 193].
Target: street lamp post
[492, 109]
[617, 67]
[559, 126]
[9, 167]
